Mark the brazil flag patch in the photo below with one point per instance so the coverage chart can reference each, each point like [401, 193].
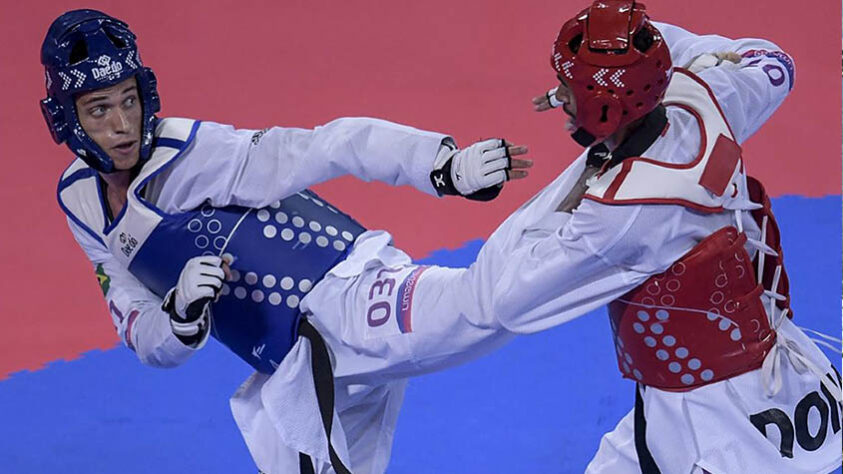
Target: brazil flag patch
[103, 279]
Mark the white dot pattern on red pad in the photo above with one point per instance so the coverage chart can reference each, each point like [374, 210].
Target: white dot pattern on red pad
[676, 360]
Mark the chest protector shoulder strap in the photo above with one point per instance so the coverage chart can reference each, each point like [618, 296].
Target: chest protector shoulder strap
[80, 198]
[706, 184]
[79, 192]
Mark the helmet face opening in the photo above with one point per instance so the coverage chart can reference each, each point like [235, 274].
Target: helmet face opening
[616, 64]
[574, 44]
[643, 40]
[78, 53]
[86, 50]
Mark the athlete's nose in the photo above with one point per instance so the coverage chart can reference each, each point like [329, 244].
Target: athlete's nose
[120, 121]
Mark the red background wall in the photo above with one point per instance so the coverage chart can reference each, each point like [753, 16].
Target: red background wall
[465, 68]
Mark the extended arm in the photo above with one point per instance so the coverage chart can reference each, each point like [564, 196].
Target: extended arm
[255, 168]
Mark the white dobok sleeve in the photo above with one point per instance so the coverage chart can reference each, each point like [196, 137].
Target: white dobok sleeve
[748, 92]
[550, 276]
[135, 311]
[256, 168]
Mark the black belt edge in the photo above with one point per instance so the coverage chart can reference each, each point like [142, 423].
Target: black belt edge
[645, 458]
[323, 379]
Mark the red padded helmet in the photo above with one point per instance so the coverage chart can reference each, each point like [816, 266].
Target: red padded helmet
[616, 64]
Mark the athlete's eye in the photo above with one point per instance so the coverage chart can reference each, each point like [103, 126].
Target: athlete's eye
[130, 101]
[97, 111]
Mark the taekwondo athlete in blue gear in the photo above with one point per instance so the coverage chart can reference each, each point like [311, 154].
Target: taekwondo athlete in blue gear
[86, 50]
[207, 230]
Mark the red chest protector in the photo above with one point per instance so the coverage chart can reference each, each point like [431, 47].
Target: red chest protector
[702, 320]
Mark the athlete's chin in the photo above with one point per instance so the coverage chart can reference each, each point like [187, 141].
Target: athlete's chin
[122, 163]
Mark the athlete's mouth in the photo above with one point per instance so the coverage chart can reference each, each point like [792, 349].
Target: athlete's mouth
[125, 146]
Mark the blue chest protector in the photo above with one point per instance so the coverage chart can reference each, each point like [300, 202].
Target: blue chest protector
[279, 252]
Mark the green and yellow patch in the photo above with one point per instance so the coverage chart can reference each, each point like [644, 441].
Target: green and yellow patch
[103, 279]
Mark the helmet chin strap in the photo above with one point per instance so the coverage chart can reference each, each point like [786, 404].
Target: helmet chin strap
[582, 137]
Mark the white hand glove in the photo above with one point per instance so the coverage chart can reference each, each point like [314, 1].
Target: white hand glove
[482, 166]
[188, 302]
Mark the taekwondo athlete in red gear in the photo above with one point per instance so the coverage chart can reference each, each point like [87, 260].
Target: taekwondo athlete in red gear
[659, 220]
[207, 230]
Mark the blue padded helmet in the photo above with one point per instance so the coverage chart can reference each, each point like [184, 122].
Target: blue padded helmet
[85, 50]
